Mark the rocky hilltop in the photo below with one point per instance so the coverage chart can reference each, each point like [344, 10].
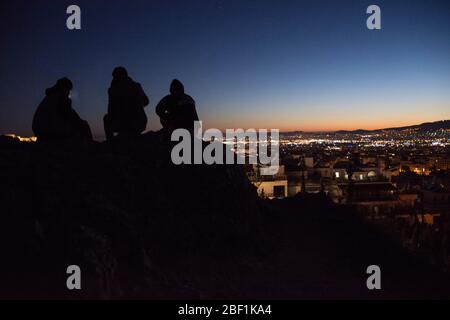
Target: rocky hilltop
[140, 227]
[135, 224]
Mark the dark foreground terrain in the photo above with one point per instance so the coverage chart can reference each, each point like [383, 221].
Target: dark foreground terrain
[140, 227]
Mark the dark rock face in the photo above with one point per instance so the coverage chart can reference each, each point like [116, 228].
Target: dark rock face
[140, 227]
[136, 225]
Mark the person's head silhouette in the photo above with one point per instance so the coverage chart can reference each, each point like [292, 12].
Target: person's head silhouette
[120, 73]
[64, 85]
[176, 87]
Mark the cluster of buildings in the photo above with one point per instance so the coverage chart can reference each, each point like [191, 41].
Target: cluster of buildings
[402, 186]
[404, 182]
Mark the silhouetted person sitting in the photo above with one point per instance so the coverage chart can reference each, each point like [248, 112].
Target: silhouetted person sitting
[127, 101]
[55, 120]
[177, 110]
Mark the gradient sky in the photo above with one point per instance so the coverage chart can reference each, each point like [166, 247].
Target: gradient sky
[292, 65]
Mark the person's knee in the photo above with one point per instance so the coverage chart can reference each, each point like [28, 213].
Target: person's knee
[86, 130]
[86, 125]
[107, 122]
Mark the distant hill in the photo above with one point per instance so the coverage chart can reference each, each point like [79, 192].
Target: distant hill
[357, 131]
[427, 126]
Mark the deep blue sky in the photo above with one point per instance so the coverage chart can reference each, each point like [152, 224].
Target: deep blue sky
[308, 65]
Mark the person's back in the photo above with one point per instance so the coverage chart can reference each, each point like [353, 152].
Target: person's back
[177, 110]
[55, 120]
[127, 101]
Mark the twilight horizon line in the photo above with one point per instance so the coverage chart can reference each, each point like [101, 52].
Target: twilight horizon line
[100, 136]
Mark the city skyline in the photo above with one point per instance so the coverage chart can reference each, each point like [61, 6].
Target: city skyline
[302, 66]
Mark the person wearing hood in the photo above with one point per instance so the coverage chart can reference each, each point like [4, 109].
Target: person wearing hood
[177, 110]
[127, 101]
[56, 120]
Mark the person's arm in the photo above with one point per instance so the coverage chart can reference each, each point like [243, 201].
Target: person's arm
[109, 101]
[144, 100]
[37, 126]
[194, 109]
[162, 108]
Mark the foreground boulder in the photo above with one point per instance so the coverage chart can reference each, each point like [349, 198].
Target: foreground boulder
[140, 227]
[136, 225]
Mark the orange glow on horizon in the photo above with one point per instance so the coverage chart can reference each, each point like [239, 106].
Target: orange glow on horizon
[325, 126]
